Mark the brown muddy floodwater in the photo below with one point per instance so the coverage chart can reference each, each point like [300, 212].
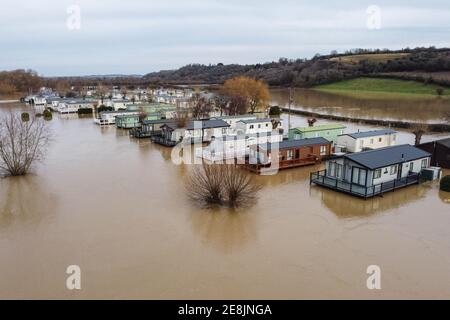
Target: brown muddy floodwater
[367, 106]
[117, 208]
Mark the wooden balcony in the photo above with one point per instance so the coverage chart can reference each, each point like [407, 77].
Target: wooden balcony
[283, 164]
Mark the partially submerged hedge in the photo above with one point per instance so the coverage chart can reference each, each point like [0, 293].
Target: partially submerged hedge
[445, 184]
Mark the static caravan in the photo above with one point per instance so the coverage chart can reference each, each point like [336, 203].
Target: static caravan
[362, 141]
[327, 131]
[289, 154]
[109, 117]
[374, 172]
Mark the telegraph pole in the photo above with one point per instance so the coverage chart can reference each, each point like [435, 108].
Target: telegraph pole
[290, 105]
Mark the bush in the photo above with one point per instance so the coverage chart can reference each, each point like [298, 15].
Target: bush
[104, 108]
[25, 116]
[47, 115]
[85, 111]
[445, 184]
[275, 111]
[222, 185]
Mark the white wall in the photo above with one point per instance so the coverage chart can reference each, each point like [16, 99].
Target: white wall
[345, 142]
[254, 128]
[357, 145]
[387, 176]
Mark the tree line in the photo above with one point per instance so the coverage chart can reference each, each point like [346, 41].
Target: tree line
[320, 69]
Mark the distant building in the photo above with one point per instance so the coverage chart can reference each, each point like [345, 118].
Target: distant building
[72, 106]
[195, 131]
[369, 140]
[327, 131]
[440, 152]
[233, 120]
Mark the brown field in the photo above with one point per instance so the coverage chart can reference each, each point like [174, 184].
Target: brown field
[381, 57]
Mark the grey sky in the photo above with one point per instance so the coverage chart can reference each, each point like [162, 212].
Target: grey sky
[138, 36]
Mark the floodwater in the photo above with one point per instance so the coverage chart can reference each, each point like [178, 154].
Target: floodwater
[117, 208]
[370, 106]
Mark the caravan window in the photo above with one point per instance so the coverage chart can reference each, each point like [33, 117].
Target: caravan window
[359, 176]
[332, 169]
[377, 174]
[393, 170]
[424, 163]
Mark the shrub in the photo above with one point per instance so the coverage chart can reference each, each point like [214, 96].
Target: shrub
[25, 116]
[85, 111]
[445, 184]
[275, 111]
[222, 185]
[47, 115]
[104, 108]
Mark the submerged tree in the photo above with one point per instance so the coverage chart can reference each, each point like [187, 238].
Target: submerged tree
[419, 129]
[21, 143]
[222, 185]
[247, 94]
[239, 187]
[201, 107]
[205, 184]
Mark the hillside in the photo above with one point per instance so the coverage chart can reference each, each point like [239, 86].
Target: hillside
[380, 57]
[315, 71]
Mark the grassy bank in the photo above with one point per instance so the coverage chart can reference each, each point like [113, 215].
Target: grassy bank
[389, 87]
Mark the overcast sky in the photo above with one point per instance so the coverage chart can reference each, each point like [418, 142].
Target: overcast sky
[138, 36]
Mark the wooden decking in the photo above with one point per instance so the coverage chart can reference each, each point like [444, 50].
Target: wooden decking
[320, 178]
[286, 164]
[142, 134]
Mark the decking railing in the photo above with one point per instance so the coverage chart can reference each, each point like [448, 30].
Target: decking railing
[140, 134]
[282, 164]
[163, 141]
[320, 178]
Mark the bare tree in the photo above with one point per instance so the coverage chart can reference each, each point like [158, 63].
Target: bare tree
[222, 185]
[142, 115]
[182, 117]
[205, 184]
[201, 107]
[240, 188]
[21, 143]
[419, 129]
[311, 122]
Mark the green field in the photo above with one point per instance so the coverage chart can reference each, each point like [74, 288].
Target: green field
[389, 87]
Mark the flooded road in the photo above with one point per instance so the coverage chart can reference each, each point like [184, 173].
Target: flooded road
[117, 208]
[373, 106]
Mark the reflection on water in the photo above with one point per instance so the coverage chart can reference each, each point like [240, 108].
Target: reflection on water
[433, 110]
[348, 207]
[23, 201]
[224, 230]
[445, 197]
